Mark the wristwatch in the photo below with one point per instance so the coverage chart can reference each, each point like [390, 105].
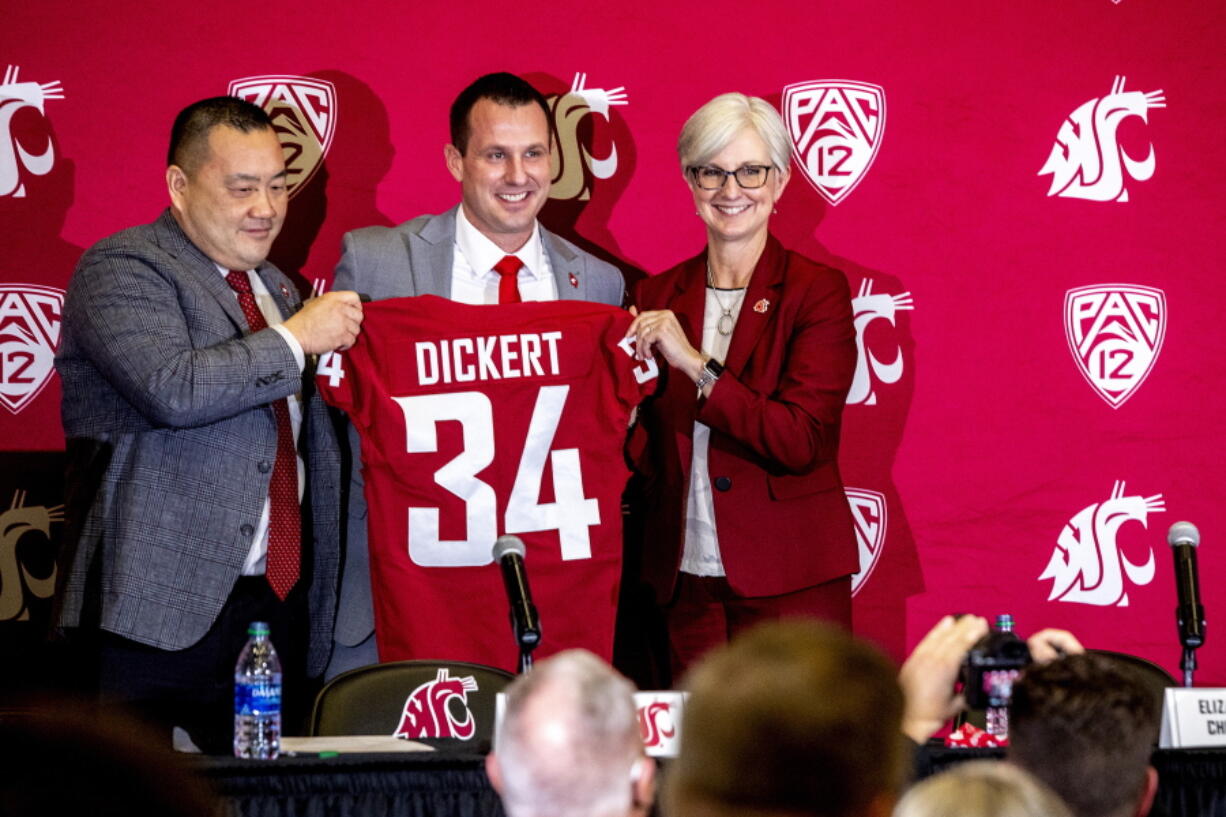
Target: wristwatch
[711, 370]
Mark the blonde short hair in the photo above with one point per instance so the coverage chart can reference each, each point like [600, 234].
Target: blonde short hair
[981, 788]
[713, 126]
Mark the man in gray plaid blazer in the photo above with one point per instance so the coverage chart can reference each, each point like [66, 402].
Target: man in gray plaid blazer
[184, 360]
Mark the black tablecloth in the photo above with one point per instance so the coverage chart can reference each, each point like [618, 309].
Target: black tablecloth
[1192, 783]
[356, 785]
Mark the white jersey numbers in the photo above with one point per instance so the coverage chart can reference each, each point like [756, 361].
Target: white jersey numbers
[571, 513]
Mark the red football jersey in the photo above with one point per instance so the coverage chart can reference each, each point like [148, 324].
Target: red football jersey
[479, 421]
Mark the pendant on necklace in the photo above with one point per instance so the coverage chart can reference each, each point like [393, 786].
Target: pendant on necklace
[725, 323]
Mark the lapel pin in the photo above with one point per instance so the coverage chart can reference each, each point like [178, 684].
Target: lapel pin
[761, 306]
[574, 280]
[285, 291]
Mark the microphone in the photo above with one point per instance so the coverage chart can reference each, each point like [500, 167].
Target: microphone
[1184, 538]
[509, 552]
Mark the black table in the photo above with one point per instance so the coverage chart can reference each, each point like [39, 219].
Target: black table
[355, 785]
[452, 784]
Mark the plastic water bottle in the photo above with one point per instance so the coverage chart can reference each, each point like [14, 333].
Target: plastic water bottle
[257, 697]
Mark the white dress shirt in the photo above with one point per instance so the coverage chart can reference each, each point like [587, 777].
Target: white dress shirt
[473, 279]
[700, 557]
[254, 563]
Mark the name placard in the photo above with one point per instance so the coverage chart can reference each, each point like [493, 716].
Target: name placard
[660, 721]
[1193, 717]
[659, 713]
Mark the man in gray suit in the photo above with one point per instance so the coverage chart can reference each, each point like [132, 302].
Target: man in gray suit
[195, 442]
[500, 155]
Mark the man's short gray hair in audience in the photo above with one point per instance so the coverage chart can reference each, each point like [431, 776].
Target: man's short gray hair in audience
[569, 743]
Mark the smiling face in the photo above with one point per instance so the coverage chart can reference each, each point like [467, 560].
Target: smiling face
[733, 213]
[504, 174]
[233, 204]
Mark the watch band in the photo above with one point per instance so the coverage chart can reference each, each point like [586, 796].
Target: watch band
[711, 370]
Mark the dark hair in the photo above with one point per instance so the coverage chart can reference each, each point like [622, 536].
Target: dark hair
[793, 716]
[189, 136]
[1085, 725]
[502, 88]
[66, 758]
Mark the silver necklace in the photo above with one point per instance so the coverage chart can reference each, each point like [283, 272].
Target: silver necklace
[726, 322]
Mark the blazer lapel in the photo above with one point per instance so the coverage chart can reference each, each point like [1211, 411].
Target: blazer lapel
[431, 258]
[569, 281]
[759, 306]
[198, 265]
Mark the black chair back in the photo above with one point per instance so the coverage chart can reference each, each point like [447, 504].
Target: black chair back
[451, 700]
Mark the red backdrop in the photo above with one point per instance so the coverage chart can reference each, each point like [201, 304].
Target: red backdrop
[1006, 451]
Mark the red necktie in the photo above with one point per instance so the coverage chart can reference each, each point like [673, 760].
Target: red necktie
[508, 287]
[285, 516]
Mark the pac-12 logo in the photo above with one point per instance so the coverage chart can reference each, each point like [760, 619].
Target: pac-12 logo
[836, 127]
[29, 334]
[430, 710]
[572, 161]
[303, 113]
[1087, 565]
[868, 510]
[866, 308]
[17, 578]
[1087, 161]
[1115, 332]
[15, 156]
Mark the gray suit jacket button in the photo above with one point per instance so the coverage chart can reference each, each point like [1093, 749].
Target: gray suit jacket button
[723, 483]
[265, 466]
[246, 530]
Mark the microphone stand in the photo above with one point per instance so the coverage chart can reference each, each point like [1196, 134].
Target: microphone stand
[1188, 665]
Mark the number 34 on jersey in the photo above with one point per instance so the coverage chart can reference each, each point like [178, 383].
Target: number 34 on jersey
[535, 390]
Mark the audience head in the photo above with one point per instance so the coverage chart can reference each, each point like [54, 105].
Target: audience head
[790, 718]
[981, 788]
[569, 743]
[1085, 725]
[60, 759]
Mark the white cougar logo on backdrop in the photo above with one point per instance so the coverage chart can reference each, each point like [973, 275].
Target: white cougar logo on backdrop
[29, 333]
[427, 711]
[303, 113]
[15, 577]
[1087, 161]
[1087, 565]
[868, 510]
[1115, 332]
[866, 308]
[569, 157]
[14, 96]
[836, 127]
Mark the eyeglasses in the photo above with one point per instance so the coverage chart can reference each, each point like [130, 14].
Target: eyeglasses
[747, 176]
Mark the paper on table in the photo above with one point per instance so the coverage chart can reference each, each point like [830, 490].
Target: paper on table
[351, 743]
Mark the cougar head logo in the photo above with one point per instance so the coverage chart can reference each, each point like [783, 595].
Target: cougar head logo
[15, 577]
[1087, 161]
[14, 96]
[571, 160]
[656, 723]
[428, 711]
[866, 308]
[1087, 565]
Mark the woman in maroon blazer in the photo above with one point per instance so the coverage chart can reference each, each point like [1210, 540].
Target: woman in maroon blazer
[746, 516]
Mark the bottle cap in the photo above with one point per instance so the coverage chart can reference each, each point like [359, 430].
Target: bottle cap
[1004, 623]
[258, 628]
